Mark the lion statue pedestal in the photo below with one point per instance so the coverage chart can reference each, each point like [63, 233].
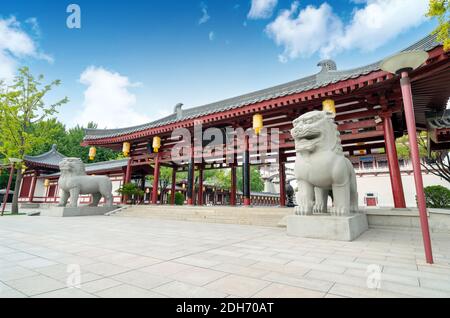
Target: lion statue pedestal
[73, 182]
[321, 170]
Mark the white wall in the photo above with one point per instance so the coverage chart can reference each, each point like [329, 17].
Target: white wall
[381, 186]
[40, 190]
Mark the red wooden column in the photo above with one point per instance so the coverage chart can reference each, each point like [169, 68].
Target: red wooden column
[191, 180]
[128, 172]
[394, 169]
[246, 173]
[33, 186]
[173, 189]
[282, 175]
[8, 188]
[200, 185]
[155, 181]
[415, 158]
[127, 179]
[233, 185]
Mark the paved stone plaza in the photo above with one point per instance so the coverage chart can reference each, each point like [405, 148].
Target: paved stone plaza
[136, 257]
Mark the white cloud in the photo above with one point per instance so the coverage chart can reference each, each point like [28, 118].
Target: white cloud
[262, 9]
[107, 99]
[212, 36]
[205, 16]
[33, 22]
[16, 44]
[320, 30]
[305, 33]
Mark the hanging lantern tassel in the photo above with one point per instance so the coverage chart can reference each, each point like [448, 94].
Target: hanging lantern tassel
[329, 106]
[46, 183]
[92, 153]
[258, 124]
[126, 149]
[156, 144]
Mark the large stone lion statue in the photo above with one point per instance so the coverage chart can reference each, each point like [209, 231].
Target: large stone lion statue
[321, 167]
[74, 181]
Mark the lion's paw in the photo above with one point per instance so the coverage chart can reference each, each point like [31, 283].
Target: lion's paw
[303, 210]
[319, 208]
[355, 209]
[340, 211]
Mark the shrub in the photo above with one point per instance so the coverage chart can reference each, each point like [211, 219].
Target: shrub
[437, 197]
[179, 198]
[130, 190]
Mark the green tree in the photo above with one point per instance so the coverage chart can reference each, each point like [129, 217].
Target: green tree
[403, 146]
[70, 146]
[165, 178]
[256, 182]
[22, 105]
[47, 133]
[179, 198]
[440, 9]
[437, 197]
[131, 190]
[435, 162]
[221, 178]
[4, 177]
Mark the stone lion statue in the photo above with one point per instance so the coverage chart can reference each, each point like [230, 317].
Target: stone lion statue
[74, 181]
[321, 167]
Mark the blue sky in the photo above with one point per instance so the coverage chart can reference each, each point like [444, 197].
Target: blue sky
[132, 61]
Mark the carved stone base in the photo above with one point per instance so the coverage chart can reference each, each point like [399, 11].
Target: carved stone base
[80, 211]
[345, 228]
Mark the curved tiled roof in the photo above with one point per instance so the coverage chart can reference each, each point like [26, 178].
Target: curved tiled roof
[51, 158]
[439, 121]
[327, 76]
[101, 166]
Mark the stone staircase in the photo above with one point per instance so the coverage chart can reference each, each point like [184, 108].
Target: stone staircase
[260, 216]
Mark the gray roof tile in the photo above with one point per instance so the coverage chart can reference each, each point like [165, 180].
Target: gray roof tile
[51, 158]
[325, 77]
[438, 121]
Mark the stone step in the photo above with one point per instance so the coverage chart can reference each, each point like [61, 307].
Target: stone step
[270, 217]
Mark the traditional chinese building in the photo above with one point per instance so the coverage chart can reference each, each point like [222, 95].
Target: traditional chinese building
[40, 183]
[369, 107]
[40, 180]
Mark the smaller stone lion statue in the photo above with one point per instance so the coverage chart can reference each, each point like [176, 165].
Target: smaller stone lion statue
[74, 181]
[321, 167]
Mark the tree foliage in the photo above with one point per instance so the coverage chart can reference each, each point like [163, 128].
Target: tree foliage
[22, 106]
[440, 9]
[179, 198]
[70, 146]
[132, 191]
[438, 163]
[403, 150]
[256, 182]
[437, 197]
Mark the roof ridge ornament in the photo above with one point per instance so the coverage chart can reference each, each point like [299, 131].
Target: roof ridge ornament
[178, 110]
[327, 65]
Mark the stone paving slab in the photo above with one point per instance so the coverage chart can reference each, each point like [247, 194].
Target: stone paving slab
[138, 257]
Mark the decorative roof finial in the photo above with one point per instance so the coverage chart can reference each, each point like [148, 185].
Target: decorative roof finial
[178, 110]
[327, 65]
